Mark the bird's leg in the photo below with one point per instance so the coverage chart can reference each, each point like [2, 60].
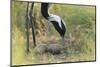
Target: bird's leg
[32, 23]
[27, 34]
[27, 28]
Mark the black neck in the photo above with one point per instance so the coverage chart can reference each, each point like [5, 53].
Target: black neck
[44, 10]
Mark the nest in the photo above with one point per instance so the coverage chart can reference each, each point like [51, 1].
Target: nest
[51, 48]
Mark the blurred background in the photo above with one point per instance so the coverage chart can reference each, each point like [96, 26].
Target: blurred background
[80, 21]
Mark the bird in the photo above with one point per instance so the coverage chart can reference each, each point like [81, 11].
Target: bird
[56, 20]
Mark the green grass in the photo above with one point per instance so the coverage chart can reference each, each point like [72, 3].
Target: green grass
[81, 25]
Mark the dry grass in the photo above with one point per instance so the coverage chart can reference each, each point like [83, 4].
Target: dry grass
[73, 52]
[79, 47]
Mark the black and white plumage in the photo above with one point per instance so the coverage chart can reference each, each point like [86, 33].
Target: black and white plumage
[57, 22]
[54, 19]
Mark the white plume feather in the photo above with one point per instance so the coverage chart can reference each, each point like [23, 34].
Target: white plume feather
[55, 18]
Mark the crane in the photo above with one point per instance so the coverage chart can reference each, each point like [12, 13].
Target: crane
[57, 22]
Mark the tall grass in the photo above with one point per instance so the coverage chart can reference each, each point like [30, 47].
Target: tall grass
[80, 21]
